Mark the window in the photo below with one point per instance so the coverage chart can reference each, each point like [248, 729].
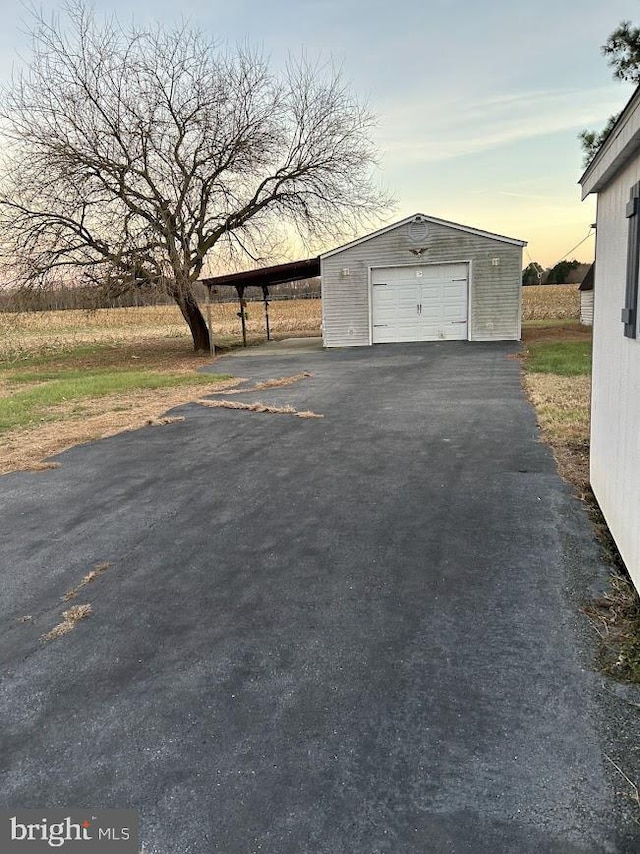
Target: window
[630, 310]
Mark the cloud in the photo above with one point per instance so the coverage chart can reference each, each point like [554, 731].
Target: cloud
[422, 131]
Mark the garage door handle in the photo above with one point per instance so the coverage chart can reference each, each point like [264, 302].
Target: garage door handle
[419, 308]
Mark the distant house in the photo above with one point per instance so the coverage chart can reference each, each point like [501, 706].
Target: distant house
[586, 297]
[614, 175]
[422, 279]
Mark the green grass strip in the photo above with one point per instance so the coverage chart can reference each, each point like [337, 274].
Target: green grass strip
[566, 358]
[27, 407]
[66, 353]
[64, 374]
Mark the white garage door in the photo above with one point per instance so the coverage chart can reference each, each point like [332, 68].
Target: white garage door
[427, 303]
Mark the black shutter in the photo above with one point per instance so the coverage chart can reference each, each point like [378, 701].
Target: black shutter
[630, 310]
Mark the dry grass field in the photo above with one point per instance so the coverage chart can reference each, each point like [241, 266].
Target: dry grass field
[48, 333]
[51, 332]
[551, 302]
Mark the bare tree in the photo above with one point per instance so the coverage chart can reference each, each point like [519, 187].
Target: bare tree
[137, 155]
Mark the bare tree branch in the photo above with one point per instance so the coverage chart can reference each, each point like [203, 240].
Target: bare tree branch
[141, 154]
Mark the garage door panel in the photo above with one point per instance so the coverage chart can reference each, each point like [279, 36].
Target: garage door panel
[395, 315]
[427, 303]
[445, 272]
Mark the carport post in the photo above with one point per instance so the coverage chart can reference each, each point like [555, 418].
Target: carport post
[241, 314]
[211, 344]
[265, 296]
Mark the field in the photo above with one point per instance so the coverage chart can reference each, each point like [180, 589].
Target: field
[551, 302]
[72, 376]
[47, 333]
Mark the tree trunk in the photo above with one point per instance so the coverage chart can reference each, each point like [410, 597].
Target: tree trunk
[190, 310]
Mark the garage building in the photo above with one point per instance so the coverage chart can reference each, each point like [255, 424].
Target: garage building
[422, 279]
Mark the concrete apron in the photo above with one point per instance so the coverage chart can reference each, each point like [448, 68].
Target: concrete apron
[286, 347]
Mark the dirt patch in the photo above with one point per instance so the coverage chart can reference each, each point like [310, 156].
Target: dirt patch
[570, 331]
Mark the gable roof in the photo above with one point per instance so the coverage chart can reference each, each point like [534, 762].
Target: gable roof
[467, 228]
[618, 148]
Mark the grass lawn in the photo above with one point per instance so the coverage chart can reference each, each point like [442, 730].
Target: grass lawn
[72, 376]
[562, 358]
[44, 393]
[51, 399]
[557, 379]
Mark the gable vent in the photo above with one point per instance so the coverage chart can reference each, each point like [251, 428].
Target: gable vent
[417, 229]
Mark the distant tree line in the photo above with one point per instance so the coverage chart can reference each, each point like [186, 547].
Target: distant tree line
[65, 296]
[563, 273]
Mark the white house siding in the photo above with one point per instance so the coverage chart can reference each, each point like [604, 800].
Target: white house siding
[615, 407]
[495, 300]
[586, 308]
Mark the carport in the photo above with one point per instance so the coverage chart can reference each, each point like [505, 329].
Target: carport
[263, 278]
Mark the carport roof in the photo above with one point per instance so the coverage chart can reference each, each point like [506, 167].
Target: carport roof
[467, 228]
[265, 276]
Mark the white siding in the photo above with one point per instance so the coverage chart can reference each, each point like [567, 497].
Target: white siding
[495, 291]
[586, 308]
[615, 408]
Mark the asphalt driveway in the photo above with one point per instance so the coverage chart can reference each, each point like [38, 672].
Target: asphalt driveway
[350, 634]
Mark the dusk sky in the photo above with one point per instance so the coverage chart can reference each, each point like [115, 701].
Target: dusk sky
[479, 104]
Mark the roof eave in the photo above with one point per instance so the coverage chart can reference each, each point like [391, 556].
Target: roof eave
[277, 274]
[607, 161]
